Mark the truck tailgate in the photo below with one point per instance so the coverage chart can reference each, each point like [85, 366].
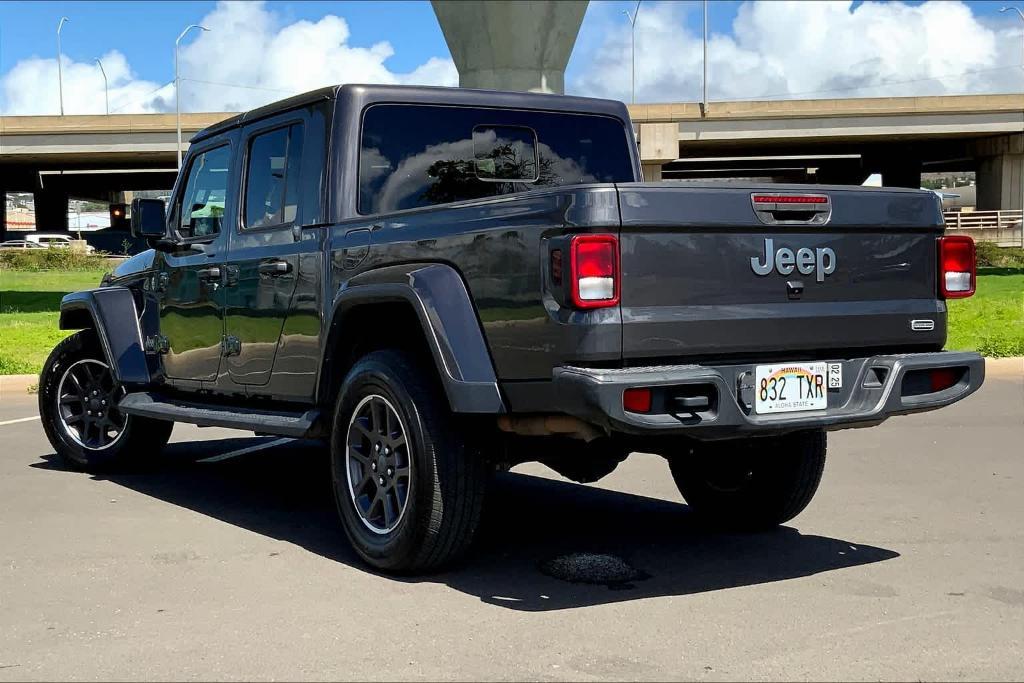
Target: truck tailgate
[709, 272]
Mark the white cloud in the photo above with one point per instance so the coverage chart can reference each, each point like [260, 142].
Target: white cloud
[30, 87]
[248, 58]
[807, 50]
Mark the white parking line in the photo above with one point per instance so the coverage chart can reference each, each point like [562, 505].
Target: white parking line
[246, 450]
[20, 419]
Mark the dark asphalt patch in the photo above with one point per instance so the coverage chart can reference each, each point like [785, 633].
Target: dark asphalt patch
[593, 568]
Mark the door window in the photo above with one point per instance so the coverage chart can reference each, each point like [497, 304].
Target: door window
[272, 180]
[202, 208]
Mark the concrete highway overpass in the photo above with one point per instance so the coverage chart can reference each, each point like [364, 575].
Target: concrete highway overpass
[89, 157]
[841, 140]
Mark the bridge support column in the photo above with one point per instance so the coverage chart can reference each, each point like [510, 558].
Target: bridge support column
[659, 144]
[51, 210]
[999, 182]
[999, 175]
[509, 44]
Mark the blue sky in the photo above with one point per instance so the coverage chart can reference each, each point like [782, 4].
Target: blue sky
[144, 32]
[141, 29]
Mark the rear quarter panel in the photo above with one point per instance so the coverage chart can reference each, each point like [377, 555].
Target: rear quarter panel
[497, 245]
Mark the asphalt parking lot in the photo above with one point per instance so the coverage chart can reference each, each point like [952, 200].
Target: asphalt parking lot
[909, 564]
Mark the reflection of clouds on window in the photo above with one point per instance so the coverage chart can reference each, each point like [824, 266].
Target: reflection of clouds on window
[372, 164]
[556, 170]
[456, 153]
[505, 153]
[411, 177]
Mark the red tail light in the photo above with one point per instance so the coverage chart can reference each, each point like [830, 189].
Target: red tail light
[594, 263]
[957, 274]
[637, 400]
[943, 378]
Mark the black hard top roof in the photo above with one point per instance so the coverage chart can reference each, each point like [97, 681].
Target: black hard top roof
[362, 95]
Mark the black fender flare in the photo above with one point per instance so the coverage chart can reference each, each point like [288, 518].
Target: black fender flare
[111, 311]
[450, 325]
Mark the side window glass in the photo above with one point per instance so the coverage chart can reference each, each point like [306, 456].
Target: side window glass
[202, 207]
[272, 179]
[505, 153]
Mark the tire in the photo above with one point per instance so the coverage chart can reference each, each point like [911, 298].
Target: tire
[435, 513]
[753, 484]
[80, 443]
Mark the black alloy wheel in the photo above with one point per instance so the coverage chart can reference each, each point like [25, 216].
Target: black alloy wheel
[78, 404]
[378, 464]
[87, 405]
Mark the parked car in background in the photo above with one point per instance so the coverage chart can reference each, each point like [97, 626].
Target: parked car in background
[20, 244]
[55, 240]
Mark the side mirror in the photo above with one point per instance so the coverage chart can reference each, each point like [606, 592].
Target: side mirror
[149, 218]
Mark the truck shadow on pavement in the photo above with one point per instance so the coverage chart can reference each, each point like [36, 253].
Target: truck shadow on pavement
[284, 493]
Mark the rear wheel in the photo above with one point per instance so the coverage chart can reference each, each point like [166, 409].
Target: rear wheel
[408, 483]
[78, 400]
[751, 484]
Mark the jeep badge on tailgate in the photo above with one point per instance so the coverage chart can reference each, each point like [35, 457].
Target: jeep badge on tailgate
[821, 261]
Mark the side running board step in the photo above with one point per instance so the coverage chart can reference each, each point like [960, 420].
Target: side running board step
[154, 405]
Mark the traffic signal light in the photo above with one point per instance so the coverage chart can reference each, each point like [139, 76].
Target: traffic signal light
[119, 216]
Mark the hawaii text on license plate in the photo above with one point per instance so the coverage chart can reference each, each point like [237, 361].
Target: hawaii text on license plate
[788, 387]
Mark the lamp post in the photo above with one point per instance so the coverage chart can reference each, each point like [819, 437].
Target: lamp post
[177, 83]
[60, 69]
[632, 49]
[704, 80]
[1021, 15]
[106, 88]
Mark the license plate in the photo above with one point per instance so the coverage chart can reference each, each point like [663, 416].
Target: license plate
[789, 387]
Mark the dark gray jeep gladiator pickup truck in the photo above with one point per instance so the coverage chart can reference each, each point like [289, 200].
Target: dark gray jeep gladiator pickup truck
[440, 283]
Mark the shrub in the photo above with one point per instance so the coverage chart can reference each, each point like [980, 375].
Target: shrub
[54, 258]
[991, 255]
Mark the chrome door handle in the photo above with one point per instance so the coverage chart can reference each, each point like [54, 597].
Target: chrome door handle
[275, 268]
[211, 273]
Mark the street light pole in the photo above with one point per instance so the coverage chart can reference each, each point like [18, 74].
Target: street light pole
[60, 69]
[704, 80]
[177, 84]
[106, 89]
[1021, 15]
[632, 49]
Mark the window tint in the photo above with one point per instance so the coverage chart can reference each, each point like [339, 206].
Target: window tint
[272, 181]
[418, 155]
[505, 153]
[202, 207]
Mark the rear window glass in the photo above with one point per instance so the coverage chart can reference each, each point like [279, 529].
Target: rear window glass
[420, 155]
[505, 153]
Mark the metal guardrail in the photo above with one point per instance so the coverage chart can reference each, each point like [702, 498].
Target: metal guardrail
[1004, 228]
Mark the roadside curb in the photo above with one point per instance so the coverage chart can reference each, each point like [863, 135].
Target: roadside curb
[16, 384]
[1005, 368]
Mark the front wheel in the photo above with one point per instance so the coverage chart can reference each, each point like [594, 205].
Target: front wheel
[408, 483]
[751, 484]
[78, 406]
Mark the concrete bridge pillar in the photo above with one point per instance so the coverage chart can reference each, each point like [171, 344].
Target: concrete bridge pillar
[51, 210]
[999, 174]
[509, 44]
[659, 145]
